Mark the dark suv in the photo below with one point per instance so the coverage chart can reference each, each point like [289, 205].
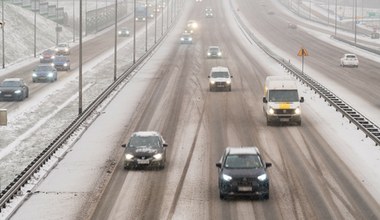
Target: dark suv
[145, 149]
[242, 172]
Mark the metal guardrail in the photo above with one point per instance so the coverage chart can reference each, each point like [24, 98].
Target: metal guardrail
[369, 128]
[22, 179]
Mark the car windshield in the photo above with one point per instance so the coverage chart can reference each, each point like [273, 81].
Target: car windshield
[60, 58]
[283, 95]
[214, 49]
[244, 161]
[43, 68]
[220, 75]
[10, 83]
[351, 57]
[145, 141]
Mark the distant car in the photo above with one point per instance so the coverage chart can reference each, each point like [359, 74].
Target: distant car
[292, 25]
[62, 49]
[242, 172]
[188, 30]
[214, 52]
[123, 32]
[13, 89]
[192, 24]
[145, 149]
[375, 35]
[44, 72]
[209, 13]
[349, 59]
[62, 62]
[220, 78]
[186, 38]
[198, 0]
[47, 56]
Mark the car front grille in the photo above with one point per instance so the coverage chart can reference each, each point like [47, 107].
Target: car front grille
[284, 111]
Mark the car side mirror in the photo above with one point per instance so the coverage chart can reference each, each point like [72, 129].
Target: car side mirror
[208, 76]
[165, 145]
[265, 100]
[124, 145]
[232, 76]
[302, 99]
[268, 165]
[219, 165]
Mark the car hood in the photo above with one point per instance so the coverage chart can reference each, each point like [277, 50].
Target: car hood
[9, 89]
[220, 79]
[60, 62]
[239, 173]
[143, 151]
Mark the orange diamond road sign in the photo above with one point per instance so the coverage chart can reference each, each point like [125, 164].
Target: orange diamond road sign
[302, 52]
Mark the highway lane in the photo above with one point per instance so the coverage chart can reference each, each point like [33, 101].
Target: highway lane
[308, 179]
[362, 81]
[31, 125]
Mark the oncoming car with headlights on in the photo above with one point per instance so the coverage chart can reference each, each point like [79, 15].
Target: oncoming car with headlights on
[242, 172]
[281, 102]
[145, 149]
[220, 78]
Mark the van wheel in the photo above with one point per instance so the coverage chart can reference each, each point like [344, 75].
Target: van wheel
[269, 123]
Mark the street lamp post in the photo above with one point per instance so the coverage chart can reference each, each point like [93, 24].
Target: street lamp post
[155, 23]
[336, 15]
[80, 59]
[73, 20]
[134, 31]
[2, 31]
[146, 25]
[115, 52]
[35, 28]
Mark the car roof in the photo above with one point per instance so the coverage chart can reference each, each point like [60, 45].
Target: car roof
[145, 133]
[242, 150]
[219, 69]
[349, 54]
[213, 47]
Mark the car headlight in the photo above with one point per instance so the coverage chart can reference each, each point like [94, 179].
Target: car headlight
[212, 82]
[182, 39]
[190, 39]
[262, 177]
[41, 57]
[129, 156]
[219, 54]
[226, 177]
[56, 49]
[297, 111]
[271, 111]
[228, 82]
[52, 57]
[52, 64]
[34, 74]
[127, 32]
[65, 64]
[50, 74]
[208, 54]
[17, 91]
[119, 32]
[158, 156]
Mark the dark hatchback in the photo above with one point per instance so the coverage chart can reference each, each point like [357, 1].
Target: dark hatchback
[62, 62]
[47, 56]
[13, 89]
[145, 149]
[44, 72]
[242, 172]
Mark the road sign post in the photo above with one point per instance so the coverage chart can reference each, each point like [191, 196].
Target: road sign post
[302, 53]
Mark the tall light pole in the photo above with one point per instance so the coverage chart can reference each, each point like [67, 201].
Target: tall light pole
[2, 31]
[134, 31]
[80, 59]
[35, 28]
[336, 15]
[56, 29]
[155, 23]
[73, 20]
[356, 9]
[146, 25]
[115, 52]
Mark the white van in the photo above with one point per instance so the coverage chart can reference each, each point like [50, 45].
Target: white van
[281, 100]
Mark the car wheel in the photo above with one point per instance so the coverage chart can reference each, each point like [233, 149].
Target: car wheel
[269, 123]
[222, 196]
[27, 93]
[229, 89]
[299, 123]
[211, 88]
[266, 196]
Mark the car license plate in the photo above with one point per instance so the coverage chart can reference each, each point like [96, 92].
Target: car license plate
[143, 161]
[7, 95]
[245, 188]
[284, 119]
